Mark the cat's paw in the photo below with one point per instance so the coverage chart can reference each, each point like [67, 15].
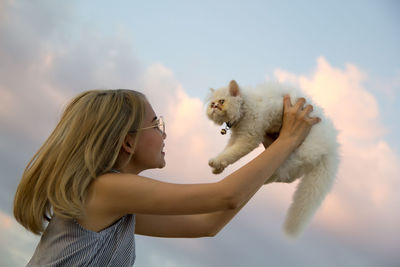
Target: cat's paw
[217, 170]
[217, 166]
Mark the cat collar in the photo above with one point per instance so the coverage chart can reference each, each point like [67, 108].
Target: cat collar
[227, 127]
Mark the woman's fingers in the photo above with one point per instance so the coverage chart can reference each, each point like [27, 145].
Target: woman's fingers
[300, 103]
[314, 120]
[296, 122]
[308, 109]
[286, 102]
[299, 108]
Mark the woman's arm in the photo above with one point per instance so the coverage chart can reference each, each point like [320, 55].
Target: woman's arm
[119, 194]
[189, 226]
[128, 193]
[183, 226]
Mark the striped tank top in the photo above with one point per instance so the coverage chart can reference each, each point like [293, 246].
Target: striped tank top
[66, 243]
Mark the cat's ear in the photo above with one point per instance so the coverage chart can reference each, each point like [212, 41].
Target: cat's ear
[234, 88]
[212, 90]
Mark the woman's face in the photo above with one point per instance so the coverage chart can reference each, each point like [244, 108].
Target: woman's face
[149, 152]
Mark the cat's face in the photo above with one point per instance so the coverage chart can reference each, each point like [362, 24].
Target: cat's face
[224, 104]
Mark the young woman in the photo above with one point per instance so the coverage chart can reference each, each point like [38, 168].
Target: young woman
[85, 181]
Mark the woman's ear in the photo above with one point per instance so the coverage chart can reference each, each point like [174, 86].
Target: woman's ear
[128, 144]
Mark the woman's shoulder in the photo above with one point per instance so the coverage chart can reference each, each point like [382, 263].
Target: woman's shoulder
[109, 180]
[98, 215]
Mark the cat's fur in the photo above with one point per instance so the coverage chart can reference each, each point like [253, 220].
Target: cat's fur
[253, 113]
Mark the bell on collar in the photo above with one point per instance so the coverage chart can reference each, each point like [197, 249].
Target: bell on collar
[227, 127]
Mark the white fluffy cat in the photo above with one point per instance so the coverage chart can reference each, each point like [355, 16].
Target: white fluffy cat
[250, 114]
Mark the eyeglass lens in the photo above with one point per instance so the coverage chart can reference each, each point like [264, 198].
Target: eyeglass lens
[161, 125]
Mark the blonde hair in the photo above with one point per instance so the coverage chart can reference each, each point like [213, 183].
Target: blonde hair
[85, 144]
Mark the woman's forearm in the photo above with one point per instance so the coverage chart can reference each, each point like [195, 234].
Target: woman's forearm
[245, 182]
[257, 170]
[216, 221]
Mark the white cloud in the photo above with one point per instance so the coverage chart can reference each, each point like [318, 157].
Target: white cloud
[342, 95]
[191, 138]
[367, 176]
[37, 84]
[7, 103]
[42, 74]
[16, 244]
[160, 85]
[366, 188]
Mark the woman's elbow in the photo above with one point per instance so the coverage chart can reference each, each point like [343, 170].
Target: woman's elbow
[211, 233]
[231, 201]
[230, 198]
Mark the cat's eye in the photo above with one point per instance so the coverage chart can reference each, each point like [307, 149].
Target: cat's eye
[221, 101]
[212, 104]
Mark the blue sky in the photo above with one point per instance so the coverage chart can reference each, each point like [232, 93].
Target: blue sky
[209, 42]
[261, 35]
[344, 54]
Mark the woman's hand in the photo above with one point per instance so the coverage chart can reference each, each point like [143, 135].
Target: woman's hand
[296, 123]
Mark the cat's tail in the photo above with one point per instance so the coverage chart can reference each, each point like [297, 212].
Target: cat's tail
[310, 193]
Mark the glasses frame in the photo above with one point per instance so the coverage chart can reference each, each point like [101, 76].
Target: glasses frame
[160, 124]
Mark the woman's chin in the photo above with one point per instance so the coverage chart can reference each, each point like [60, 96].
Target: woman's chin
[162, 163]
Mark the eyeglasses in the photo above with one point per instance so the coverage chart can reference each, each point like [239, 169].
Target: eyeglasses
[159, 124]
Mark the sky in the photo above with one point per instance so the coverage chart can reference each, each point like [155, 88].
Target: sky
[344, 55]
